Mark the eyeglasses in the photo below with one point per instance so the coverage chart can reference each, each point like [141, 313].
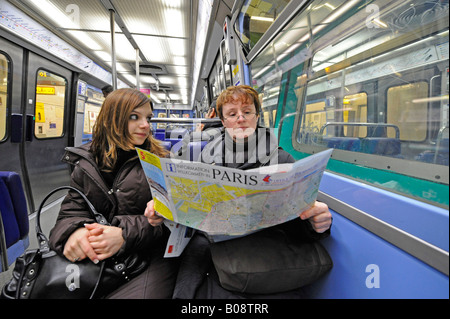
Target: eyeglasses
[246, 116]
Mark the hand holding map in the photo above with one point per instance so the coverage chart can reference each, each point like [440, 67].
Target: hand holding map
[224, 201]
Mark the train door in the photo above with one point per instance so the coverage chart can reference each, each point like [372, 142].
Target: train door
[47, 100]
[11, 120]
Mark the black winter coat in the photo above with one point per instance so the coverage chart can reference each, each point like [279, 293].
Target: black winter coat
[123, 204]
[197, 277]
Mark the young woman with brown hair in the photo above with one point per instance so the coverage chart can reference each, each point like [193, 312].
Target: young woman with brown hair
[109, 173]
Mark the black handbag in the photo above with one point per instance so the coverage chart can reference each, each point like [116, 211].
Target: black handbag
[43, 274]
[268, 262]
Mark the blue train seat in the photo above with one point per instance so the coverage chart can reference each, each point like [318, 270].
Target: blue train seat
[176, 143]
[381, 146]
[343, 143]
[160, 134]
[195, 149]
[167, 145]
[437, 156]
[177, 133]
[14, 215]
[432, 157]
[10, 225]
[366, 266]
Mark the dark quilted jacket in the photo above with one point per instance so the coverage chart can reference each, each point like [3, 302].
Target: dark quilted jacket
[123, 205]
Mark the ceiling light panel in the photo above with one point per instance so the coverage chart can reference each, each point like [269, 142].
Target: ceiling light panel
[176, 69]
[160, 28]
[147, 79]
[84, 14]
[160, 50]
[124, 50]
[155, 19]
[93, 15]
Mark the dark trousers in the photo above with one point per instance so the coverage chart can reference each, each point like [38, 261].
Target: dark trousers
[156, 282]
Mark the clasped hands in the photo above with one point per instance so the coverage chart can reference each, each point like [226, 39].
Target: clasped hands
[94, 241]
[318, 215]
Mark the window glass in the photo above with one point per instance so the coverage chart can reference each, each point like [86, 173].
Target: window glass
[407, 108]
[268, 95]
[4, 72]
[355, 111]
[369, 79]
[227, 71]
[92, 109]
[50, 105]
[255, 18]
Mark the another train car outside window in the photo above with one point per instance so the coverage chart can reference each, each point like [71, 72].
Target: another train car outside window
[407, 108]
[50, 105]
[368, 79]
[4, 75]
[255, 18]
[92, 109]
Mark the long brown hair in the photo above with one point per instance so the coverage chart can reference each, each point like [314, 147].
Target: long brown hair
[110, 131]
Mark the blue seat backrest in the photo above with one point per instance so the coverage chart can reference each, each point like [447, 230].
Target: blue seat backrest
[176, 133]
[381, 146]
[160, 135]
[343, 143]
[14, 185]
[195, 149]
[444, 145]
[437, 156]
[432, 157]
[443, 148]
[11, 228]
[167, 145]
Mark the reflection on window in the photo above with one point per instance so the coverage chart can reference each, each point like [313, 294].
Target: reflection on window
[407, 108]
[355, 111]
[50, 103]
[369, 78]
[255, 18]
[92, 109]
[4, 70]
[268, 98]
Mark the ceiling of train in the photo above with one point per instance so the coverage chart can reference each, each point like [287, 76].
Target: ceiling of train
[164, 31]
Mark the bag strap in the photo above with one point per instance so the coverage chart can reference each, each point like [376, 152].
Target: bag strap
[42, 239]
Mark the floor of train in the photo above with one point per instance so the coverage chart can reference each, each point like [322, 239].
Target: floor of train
[48, 218]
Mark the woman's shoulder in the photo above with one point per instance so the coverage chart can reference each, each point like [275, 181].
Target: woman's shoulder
[73, 155]
[284, 157]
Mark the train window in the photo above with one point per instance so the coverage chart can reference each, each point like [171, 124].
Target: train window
[50, 105]
[318, 119]
[407, 108]
[268, 97]
[4, 74]
[92, 109]
[369, 79]
[227, 70]
[255, 18]
[214, 82]
[397, 70]
[355, 111]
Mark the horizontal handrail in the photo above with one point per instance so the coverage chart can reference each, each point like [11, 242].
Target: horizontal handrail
[397, 130]
[184, 120]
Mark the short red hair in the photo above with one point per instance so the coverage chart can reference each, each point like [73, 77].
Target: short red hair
[245, 93]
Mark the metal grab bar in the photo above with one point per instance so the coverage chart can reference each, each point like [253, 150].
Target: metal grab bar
[280, 124]
[184, 120]
[397, 130]
[438, 142]
[3, 248]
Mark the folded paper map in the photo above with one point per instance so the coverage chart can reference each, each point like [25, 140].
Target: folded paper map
[224, 201]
